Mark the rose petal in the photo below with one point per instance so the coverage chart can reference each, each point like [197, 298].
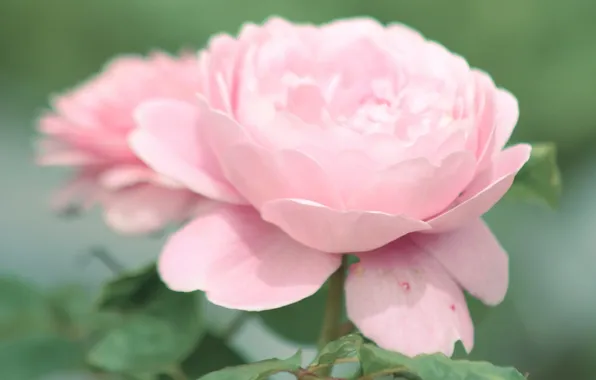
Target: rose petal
[262, 176]
[119, 177]
[82, 191]
[146, 208]
[403, 299]
[416, 187]
[167, 139]
[487, 118]
[306, 102]
[486, 190]
[473, 256]
[66, 157]
[219, 129]
[242, 262]
[508, 114]
[330, 230]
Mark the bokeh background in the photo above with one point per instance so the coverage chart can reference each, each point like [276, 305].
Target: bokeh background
[541, 50]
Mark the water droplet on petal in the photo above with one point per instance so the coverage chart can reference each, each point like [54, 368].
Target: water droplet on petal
[405, 286]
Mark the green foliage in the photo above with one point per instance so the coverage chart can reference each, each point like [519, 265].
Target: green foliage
[160, 327]
[23, 308]
[258, 371]
[540, 178]
[36, 356]
[345, 347]
[136, 329]
[140, 329]
[211, 354]
[131, 291]
[35, 340]
[375, 363]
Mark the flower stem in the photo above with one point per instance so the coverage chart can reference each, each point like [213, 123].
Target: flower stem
[332, 317]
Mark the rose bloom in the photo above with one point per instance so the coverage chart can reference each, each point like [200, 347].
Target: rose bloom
[89, 131]
[349, 138]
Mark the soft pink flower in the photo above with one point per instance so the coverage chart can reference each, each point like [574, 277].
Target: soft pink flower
[89, 130]
[353, 138]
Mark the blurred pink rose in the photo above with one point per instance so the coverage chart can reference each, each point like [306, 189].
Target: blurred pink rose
[89, 131]
[345, 138]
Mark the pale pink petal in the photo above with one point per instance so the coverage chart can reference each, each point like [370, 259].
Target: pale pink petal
[217, 70]
[473, 256]
[486, 189]
[331, 230]
[353, 28]
[486, 114]
[220, 131]
[146, 208]
[261, 175]
[168, 140]
[242, 262]
[404, 300]
[82, 191]
[306, 102]
[122, 176]
[55, 152]
[416, 187]
[66, 158]
[508, 114]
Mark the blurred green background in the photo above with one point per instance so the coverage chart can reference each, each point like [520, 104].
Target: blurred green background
[541, 50]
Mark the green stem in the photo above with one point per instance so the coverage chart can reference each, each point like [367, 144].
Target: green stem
[332, 317]
[107, 260]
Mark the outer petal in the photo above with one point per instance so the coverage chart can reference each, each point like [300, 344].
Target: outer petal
[147, 208]
[128, 175]
[168, 140]
[404, 300]
[486, 104]
[262, 176]
[81, 192]
[242, 262]
[53, 152]
[507, 116]
[330, 230]
[486, 189]
[416, 187]
[473, 256]
[220, 131]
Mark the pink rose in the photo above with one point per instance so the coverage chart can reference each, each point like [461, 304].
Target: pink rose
[89, 131]
[352, 138]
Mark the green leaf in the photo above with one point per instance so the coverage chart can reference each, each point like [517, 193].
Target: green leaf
[23, 309]
[143, 344]
[131, 291]
[540, 178]
[159, 329]
[37, 356]
[257, 371]
[211, 354]
[299, 322]
[345, 347]
[73, 310]
[377, 362]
